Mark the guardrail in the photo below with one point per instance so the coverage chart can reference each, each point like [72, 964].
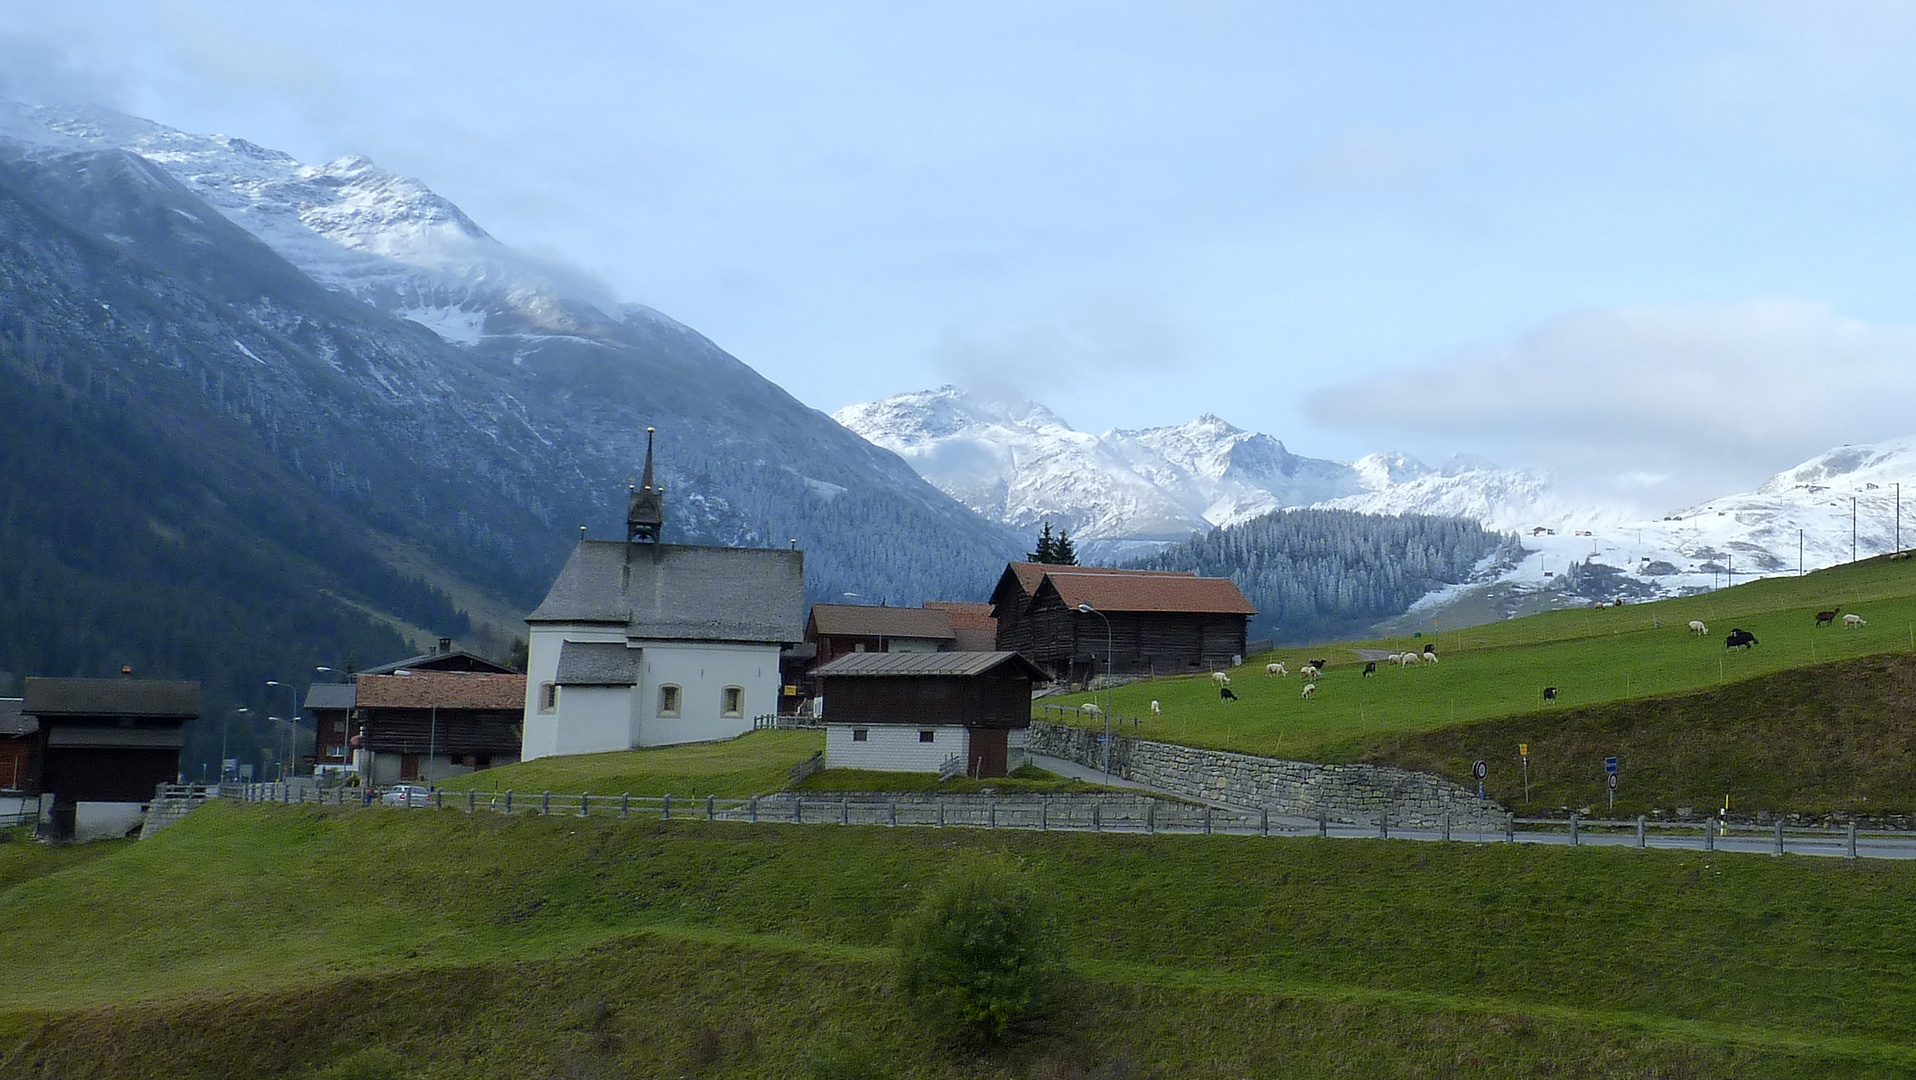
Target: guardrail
[1119, 812]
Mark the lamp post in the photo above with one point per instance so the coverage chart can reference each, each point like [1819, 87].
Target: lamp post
[292, 738]
[225, 727]
[1087, 609]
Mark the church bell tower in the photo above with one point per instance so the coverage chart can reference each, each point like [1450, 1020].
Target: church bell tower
[645, 508]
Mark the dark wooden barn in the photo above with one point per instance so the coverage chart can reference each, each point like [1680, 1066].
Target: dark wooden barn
[429, 725]
[1160, 622]
[16, 745]
[105, 743]
[888, 710]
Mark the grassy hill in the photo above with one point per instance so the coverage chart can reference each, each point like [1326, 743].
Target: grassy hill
[1500, 670]
[277, 941]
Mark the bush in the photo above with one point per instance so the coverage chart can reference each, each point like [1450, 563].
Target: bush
[980, 957]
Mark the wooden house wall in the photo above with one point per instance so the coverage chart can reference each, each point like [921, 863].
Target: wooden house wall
[16, 764]
[972, 701]
[116, 774]
[1061, 641]
[456, 731]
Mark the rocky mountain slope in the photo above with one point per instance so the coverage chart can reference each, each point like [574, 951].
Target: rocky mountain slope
[382, 415]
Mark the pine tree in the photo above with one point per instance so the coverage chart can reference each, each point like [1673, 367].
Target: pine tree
[1047, 547]
[1062, 553]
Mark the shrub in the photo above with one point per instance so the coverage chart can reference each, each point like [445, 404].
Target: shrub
[979, 957]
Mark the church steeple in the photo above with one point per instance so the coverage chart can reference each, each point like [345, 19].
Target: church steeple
[645, 509]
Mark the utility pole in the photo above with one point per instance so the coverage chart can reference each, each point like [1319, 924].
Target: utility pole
[1852, 528]
[1799, 553]
[1899, 516]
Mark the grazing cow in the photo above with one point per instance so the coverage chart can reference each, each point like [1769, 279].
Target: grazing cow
[1370, 667]
[1275, 669]
[1697, 627]
[1156, 709]
[1224, 694]
[1824, 618]
[1309, 689]
[1550, 693]
[1738, 637]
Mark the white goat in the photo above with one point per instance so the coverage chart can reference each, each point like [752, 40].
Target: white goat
[1851, 622]
[1275, 669]
[1308, 672]
[1309, 689]
[1394, 658]
[1220, 678]
[1697, 627]
[1430, 658]
[1090, 709]
[1156, 709]
[1408, 659]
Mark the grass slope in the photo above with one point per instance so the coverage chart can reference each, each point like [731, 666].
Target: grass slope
[1500, 670]
[1838, 737]
[748, 765]
[567, 947]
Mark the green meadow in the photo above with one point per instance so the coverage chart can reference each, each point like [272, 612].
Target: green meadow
[279, 941]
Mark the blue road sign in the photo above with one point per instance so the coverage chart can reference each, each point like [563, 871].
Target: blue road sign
[1610, 765]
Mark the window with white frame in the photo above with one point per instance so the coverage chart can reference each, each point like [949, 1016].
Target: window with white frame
[669, 700]
[732, 701]
[548, 696]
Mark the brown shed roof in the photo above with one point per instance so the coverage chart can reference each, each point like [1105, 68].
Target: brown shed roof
[47, 698]
[972, 626]
[933, 664]
[1031, 573]
[443, 689]
[1158, 592]
[863, 620]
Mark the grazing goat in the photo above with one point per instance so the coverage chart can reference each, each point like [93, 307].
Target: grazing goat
[1394, 658]
[1408, 659]
[1739, 636]
[1430, 657]
[1090, 709]
[1156, 709]
[1220, 678]
[1430, 652]
[1320, 664]
[1824, 618]
[1550, 693]
[1901, 556]
[1309, 689]
[1697, 627]
[1370, 668]
[1275, 669]
[1851, 622]
[1308, 671]
[1224, 694]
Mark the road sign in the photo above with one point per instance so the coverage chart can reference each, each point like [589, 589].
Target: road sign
[1610, 765]
[1523, 749]
[1613, 781]
[1480, 769]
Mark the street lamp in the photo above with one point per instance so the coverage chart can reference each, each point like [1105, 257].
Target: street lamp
[292, 738]
[1087, 609]
[227, 726]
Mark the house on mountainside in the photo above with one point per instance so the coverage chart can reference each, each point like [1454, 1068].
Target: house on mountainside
[644, 643]
[102, 748]
[428, 725]
[916, 711]
[1160, 622]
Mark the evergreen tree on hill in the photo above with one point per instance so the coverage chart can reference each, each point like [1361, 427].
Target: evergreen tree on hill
[1062, 553]
[1047, 547]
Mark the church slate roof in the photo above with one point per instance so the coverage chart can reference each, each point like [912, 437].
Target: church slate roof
[597, 663]
[681, 592]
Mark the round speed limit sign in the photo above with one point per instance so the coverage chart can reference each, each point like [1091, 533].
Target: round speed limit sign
[1481, 769]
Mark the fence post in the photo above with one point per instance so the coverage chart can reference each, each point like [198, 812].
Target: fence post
[1044, 814]
[545, 804]
[798, 810]
[751, 809]
[1510, 826]
[1640, 831]
[1446, 821]
[844, 811]
[710, 814]
[665, 807]
[508, 802]
[1779, 834]
[991, 814]
[472, 800]
[439, 800]
[1383, 824]
[1573, 828]
[1851, 852]
[1097, 821]
[1207, 820]
[1709, 834]
[1323, 820]
[625, 804]
[892, 817]
[941, 813]
[1264, 821]
[585, 804]
[1151, 817]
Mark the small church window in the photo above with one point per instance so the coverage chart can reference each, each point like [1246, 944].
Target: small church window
[668, 700]
[927, 736]
[732, 701]
[548, 696]
[860, 734]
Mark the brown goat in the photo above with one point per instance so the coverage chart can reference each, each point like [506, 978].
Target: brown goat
[1824, 618]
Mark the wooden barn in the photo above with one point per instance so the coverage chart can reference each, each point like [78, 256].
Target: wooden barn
[1160, 622]
[103, 747]
[16, 745]
[428, 725]
[923, 712]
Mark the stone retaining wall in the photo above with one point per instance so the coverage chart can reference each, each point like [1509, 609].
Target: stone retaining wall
[1343, 793]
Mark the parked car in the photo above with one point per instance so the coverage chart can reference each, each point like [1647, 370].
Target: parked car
[407, 795]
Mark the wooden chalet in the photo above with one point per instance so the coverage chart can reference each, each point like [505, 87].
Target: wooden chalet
[103, 747]
[1161, 622]
[915, 712]
[332, 707]
[428, 725]
[16, 745]
[443, 657]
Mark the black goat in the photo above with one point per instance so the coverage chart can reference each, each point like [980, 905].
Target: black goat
[1224, 694]
[1370, 667]
[1739, 637]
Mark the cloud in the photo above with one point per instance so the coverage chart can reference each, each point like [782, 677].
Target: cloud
[1668, 403]
[1096, 339]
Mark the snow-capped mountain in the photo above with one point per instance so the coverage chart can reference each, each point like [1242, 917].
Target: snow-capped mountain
[1124, 492]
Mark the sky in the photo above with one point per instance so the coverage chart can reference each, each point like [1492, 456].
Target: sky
[1661, 249]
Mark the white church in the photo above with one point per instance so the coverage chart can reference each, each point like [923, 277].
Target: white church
[644, 643]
